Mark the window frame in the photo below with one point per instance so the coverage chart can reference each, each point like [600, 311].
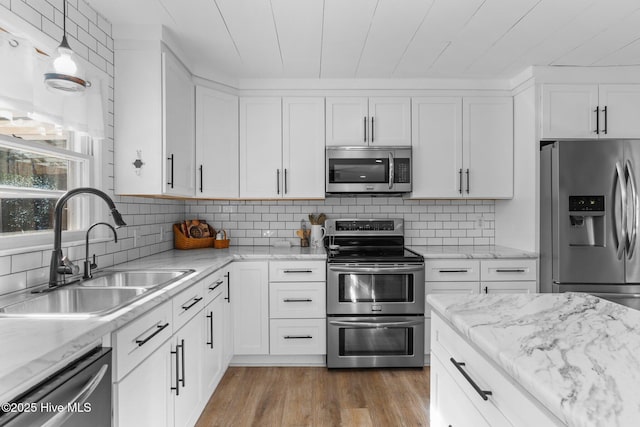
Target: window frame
[84, 208]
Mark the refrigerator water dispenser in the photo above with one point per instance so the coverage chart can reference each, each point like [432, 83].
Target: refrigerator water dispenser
[587, 221]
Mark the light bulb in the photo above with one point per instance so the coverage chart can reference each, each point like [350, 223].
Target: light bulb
[64, 63]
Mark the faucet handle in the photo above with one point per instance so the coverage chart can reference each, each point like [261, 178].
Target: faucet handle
[67, 266]
[93, 264]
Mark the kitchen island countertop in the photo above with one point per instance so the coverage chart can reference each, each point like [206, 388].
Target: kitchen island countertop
[577, 354]
[34, 348]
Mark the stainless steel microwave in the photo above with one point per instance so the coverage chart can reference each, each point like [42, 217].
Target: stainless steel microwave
[368, 170]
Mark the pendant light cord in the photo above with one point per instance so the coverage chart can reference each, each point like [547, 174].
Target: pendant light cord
[64, 18]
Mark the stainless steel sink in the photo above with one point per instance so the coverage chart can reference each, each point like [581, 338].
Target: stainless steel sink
[134, 278]
[67, 302]
[105, 293]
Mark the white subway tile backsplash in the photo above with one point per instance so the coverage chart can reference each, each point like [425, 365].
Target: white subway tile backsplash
[13, 282]
[427, 222]
[26, 261]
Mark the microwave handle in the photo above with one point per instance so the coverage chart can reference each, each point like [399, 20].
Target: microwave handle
[391, 170]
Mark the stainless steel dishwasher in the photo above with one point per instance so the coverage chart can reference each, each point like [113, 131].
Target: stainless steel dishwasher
[79, 395]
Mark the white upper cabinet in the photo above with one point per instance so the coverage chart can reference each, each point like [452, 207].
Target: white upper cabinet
[590, 111]
[261, 147]
[487, 147]
[154, 144]
[217, 155]
[347, 120]
[303, 147]
[383, 121]
[622, 103]
[462, 147]
[568, 111]
[282, 147]
[437, 146]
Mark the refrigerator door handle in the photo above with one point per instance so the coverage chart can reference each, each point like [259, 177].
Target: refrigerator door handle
[634, 205]
[621, 232]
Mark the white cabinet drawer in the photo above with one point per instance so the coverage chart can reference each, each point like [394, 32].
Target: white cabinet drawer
[139, 338]
[445, 270]
[508, 269]
[512, 287]
[187, 304]
[297, 271]
[507, 401]
[213, 285]
[298, 336]
[297, 300]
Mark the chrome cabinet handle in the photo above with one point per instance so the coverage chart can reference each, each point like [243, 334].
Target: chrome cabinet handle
[200, 178]
[510, 270]
[297, 300]
[210, 317]
[597, 111]
[486, 289]
[462, 270]
[218, 283]
[484, 394]
[604, 130]
[460, 181]
[297, 337]
[195, 301]
[302, 270]
[79, 399]
[278, 180]
[159, 329]
[171, 171]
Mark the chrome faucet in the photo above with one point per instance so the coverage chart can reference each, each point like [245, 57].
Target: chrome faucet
[88, 265]
[59, 264]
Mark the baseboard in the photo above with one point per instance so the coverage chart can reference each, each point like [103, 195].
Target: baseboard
[275, 360]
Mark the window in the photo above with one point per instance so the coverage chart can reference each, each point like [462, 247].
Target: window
[39, 161]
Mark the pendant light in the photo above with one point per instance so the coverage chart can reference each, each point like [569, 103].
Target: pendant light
[64, 72]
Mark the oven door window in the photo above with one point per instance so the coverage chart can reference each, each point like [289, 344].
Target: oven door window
[374, 288]
[360, 341]
[358, 171]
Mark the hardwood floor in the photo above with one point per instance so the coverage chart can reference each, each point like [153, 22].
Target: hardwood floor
[316, 396]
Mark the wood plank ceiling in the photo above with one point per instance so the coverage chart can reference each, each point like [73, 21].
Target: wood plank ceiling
[389, 38]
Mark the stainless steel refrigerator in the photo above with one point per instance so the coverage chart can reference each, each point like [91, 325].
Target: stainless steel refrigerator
[589, 218]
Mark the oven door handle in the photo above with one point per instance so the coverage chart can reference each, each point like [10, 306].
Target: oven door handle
[395, 269]
[363, 325]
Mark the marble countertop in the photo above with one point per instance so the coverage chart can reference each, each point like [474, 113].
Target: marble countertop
[577, 354]
[472, 252]
[33, 349]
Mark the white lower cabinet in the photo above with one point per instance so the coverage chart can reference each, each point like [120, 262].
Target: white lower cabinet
[449, 406]
[213, 327]
[250, 297]
[142, 398]
[472, 276]
[186, 357]
[298, 336]
[467, 389]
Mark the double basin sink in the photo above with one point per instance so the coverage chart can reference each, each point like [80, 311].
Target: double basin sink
[103, 294]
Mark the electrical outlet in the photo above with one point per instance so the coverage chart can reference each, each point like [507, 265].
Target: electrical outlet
[135, 238]
[268, 233]
[161, 234]
[480, 222]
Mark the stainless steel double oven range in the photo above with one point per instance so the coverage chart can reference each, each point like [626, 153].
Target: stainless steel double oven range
[375, 296]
